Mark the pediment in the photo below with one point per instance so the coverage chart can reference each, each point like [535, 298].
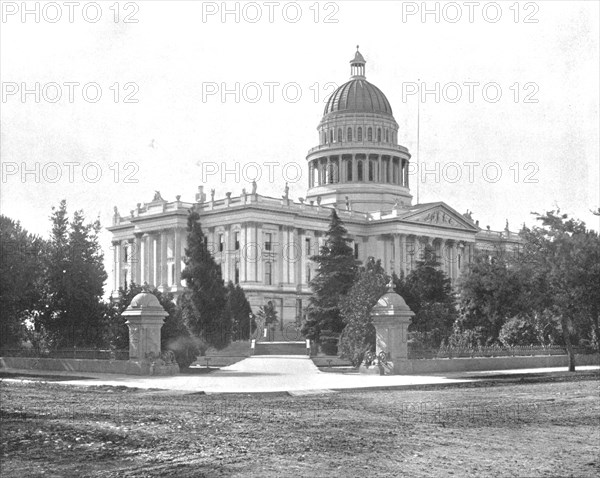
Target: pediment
[440, 214]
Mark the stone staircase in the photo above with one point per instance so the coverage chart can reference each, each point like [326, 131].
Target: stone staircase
[280, 348]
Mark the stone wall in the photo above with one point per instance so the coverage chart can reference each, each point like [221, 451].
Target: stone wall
[90, 366]
[427, 366]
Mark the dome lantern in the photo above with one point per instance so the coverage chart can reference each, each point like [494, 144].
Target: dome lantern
[357, 66]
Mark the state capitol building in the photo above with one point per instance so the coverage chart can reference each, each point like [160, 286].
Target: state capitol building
[265, 243]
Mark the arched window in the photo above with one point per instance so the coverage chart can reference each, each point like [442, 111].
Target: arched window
[339, 138]
[359, 134]
[370, 134]
[359, 171]
[349, 170]
[349, 135]
[387, 135]
[379, 135]
[371, 172]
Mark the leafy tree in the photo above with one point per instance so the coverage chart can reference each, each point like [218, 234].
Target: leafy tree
[518, 331]
[204, 301]
[240, 312]
[21, 280]
[74, 281]
[428, 292]
[358, 336]
[490, 292]
[561, 259]
[336, 273]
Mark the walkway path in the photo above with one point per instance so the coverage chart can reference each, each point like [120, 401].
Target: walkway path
[273, 373]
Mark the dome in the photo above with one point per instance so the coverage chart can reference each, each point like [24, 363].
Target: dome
[358, 96]
[391, 302]
[144, 299]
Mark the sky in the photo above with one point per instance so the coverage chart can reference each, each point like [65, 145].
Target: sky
[104, 103]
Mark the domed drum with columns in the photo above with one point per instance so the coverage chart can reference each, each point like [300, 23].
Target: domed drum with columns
[359, 160]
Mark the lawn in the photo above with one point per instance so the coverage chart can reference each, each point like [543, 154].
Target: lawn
[544, 426]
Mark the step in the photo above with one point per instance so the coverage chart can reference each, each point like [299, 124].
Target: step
[280, 348]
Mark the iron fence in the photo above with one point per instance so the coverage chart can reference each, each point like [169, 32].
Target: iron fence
[68, 353]
[449, 352]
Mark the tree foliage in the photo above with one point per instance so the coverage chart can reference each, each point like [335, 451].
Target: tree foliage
[21, 280]
[358, 336]
[336, 272]
[561, 258]
[428, 292]
[204, 301]
[74, 281]
[240, 312]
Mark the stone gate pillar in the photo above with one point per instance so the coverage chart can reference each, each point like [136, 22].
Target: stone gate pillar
[145, 317]
[391, 317]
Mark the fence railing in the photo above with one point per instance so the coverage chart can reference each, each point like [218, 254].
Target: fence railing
[68, 353]
[448, 352]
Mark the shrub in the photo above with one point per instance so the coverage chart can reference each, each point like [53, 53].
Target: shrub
[329, 342]
[518, 330]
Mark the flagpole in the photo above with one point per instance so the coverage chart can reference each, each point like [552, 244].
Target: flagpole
[418, 138]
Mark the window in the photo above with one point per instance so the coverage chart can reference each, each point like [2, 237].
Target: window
[307, 247]
[268, 241]
[339, 138]
[459, 261]
[308, 278]
[359, 134]
[371, 172]
[221, 243]
[237, 272]
[125, 278]
[268, 272]
[349, 170]
[355, 250]
[379, 135]
[349, 135]
[370, 134]
[172, 278]
[237, 240]
[324, 137]
[359, 171]
[125, 254]
[331, 136]
[387, 135]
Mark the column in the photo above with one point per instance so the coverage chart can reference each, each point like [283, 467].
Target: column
[403, 253]
[136, 273]
[442, 256]
[151, 261]
[310, 174]
[116, 266]
[397, 255]
[177, 257]
[164, 268]
[131, 260]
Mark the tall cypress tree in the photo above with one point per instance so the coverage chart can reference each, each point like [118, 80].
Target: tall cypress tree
[75, 278]
[336, 273]
[204, 302]
[238, 308]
